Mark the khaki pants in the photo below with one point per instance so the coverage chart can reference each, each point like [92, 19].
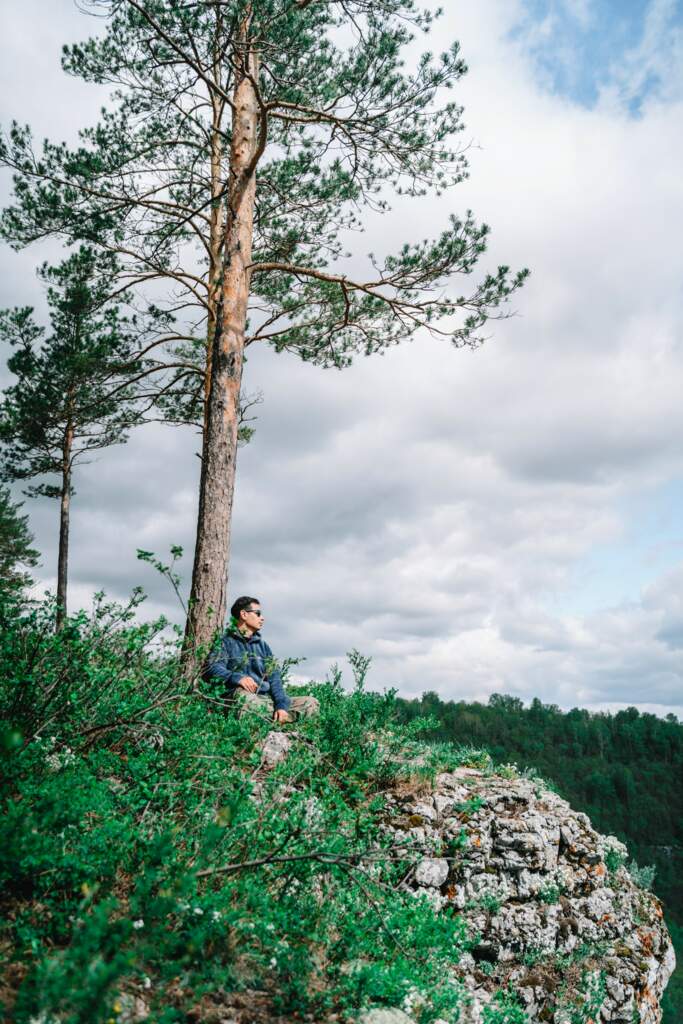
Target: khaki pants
[261, 704]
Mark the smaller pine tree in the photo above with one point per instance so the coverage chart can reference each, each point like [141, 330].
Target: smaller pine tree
[75, 390]
[16, 553]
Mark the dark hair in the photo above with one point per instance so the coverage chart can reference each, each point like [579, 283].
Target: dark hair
[241, 604]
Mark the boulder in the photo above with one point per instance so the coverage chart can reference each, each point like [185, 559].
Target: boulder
[431, 872]
[275, 748]
[546, 905]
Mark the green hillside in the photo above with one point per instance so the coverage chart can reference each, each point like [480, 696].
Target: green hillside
[625, 770]
[149, 860]
[156, 866]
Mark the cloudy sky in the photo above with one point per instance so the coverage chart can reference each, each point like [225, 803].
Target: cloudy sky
[505, 520]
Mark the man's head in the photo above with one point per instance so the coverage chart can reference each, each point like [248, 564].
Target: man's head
[246, 611]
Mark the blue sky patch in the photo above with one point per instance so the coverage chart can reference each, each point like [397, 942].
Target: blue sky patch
[582, 47]
[651, 544]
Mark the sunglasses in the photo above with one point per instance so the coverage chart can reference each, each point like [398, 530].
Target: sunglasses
[255, 611]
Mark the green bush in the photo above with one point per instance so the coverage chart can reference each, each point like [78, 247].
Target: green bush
[505, 1009]
[642, 876]
[147, 854]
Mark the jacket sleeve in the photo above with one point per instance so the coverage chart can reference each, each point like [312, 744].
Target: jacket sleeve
[277, 688]
[223, 665]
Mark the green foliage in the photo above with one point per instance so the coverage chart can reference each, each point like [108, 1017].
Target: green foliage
[489, 901]
[450, 756]
[645, 876]
[471, 806]
[73, 394]
[16, 553]
[614, 853]
[541, 784]
[505, 1009]
[346, 122]
[102, 675]
[550, 893]
[586, 1008]
[533, 955]
[147, 855]
[166, 570]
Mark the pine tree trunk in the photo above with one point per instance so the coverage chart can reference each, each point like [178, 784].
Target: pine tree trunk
[216, 225]
[212, 549]
[64, 510]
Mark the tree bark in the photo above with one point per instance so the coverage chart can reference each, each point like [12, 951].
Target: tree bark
[64, 510]
[212, 548]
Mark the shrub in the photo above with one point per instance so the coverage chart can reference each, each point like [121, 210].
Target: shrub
[614, 853]
[644, 877]
[505, 1009]
[146, 854]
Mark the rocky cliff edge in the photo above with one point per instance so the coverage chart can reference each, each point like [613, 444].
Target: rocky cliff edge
[551, 910]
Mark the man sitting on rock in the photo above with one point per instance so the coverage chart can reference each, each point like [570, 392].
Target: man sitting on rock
[244, 663]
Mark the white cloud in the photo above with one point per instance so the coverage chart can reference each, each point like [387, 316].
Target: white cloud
[582, 11]
[430, 507]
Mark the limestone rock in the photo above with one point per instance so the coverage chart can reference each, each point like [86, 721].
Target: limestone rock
[547, 908]
[385, 1016]
[423, 810]
[443, 805]
[275, 748]
[432, 872]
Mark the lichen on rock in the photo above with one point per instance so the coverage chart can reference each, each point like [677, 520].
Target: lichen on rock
[552, 912]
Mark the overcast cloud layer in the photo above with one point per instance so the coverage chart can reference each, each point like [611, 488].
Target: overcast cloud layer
[506, 520]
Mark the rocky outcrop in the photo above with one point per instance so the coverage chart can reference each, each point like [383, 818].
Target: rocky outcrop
[550, 909]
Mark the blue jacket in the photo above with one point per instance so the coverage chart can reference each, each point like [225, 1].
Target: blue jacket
[239, 656]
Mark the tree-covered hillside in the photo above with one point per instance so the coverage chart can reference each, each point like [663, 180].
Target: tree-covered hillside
[625, 770]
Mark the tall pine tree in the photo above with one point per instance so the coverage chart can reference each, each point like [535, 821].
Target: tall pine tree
[246, 141]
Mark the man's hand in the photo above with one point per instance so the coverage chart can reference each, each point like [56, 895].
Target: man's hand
[281, 716]
[248, 684]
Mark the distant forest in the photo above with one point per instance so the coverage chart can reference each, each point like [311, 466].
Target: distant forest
[625, 770]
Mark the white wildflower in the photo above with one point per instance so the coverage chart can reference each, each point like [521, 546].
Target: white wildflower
[273, 962]
[138, 924]
[413, 1000]
[198, 910]
[216, 915]
[57, 761]
[611, 845]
